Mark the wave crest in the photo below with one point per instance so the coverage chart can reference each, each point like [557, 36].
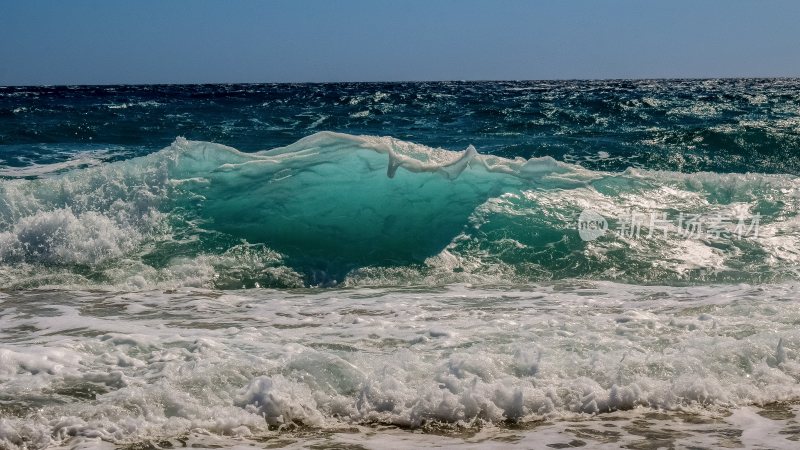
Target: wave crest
[334, 208]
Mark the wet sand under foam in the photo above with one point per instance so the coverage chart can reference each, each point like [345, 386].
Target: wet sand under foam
[774, 426]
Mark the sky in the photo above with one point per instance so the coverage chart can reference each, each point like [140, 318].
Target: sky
[182, 41]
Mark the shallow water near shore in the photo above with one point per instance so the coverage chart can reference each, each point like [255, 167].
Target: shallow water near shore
[567, 363]
[774, 426]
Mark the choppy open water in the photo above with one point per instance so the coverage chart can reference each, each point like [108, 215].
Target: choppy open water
[509, 263]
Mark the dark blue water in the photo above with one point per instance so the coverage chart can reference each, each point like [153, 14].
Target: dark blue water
[731, 125]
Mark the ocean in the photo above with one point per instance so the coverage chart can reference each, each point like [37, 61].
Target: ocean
[524, 264]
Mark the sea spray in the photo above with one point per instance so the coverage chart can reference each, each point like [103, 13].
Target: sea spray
[325, 210]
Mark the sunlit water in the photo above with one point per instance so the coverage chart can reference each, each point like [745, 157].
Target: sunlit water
[428, 287]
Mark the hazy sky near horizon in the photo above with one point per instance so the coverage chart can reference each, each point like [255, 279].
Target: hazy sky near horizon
[182, 41]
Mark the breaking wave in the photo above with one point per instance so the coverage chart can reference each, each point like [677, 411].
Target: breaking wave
[335, 209]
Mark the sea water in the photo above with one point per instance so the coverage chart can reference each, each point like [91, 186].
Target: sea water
[400, 264]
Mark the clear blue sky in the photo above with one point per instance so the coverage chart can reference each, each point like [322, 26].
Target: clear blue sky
[181, 41]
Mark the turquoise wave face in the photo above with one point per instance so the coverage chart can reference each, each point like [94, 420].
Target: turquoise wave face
[338, 209]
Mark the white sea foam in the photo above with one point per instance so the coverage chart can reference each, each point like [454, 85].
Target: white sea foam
[38, 170]
[131, 367]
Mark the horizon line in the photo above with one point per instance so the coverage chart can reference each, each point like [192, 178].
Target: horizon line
[407, 81]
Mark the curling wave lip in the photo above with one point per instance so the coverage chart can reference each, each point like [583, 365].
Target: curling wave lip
[335, 208]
